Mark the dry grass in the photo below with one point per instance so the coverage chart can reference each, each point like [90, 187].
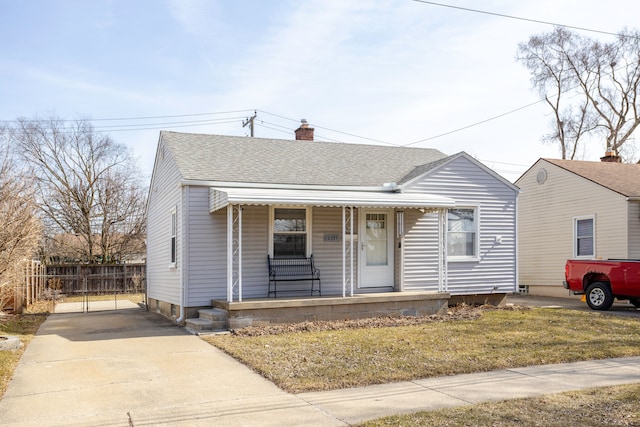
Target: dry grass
[607, 406]
[332, 355]
[23, 326]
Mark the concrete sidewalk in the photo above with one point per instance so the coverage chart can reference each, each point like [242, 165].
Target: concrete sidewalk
[137, 368]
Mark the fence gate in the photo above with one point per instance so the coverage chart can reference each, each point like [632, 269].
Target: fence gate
[83, 288]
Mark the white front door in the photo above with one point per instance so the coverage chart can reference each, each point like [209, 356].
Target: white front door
[376, 248]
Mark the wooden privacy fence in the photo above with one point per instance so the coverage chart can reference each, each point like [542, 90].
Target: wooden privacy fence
[29, 286]
[34, 283]
[57, 282]
[101, 279]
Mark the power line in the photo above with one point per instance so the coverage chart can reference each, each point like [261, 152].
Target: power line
[194, 122]
[475, 124]
[502, 15]
[162, 126]
[133, 118]
[152, 126]
[336, 131]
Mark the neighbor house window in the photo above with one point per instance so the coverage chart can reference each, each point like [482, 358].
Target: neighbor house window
[173, 238]
[462, 233]
[290, 232]
[584, 240]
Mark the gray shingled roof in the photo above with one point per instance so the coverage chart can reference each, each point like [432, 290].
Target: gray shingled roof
[623, 178]
[277, 161]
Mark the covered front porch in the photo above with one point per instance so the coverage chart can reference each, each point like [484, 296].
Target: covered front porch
[358, 234]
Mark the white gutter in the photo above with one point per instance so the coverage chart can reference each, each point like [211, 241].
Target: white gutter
[221, 197]
[389, 187]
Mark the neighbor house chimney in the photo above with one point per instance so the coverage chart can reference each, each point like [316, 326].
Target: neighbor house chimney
[304, 132]
[610, 156]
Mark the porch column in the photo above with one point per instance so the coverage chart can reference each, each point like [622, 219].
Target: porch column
[400, 238]
[344, 251]
[442, 251]
[347, 251]
[351, 248]
[230, 253]
[238, 247]
[234, 252]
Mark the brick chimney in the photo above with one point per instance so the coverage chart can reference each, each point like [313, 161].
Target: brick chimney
[610, 156]
[304, 132]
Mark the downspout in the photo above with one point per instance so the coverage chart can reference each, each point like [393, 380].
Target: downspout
[183, 238]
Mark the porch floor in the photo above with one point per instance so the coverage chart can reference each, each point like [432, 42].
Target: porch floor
[263, 311]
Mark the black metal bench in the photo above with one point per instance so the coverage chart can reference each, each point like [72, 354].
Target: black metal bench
[292, 270]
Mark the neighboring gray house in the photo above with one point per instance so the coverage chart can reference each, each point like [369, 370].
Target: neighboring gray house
[376, 219]
[575, 209]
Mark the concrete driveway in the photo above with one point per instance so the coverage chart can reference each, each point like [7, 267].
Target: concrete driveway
[135, 368]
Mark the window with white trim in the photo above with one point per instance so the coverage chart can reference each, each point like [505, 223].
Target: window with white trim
[174, 243]
[584, 237]
[290, 232]
[462, 233]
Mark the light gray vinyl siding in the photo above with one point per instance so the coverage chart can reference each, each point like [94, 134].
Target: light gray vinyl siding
[471, 185]
[546, 214]
[328, 254]
[207, 276]
[421, 251]
[206, 249]
[255, 247]
[163, 282]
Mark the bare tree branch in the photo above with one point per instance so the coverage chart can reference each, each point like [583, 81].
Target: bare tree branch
[21, 229]
[594, 85]
[81, 176]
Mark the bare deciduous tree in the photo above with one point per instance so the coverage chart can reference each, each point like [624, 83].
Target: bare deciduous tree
[21, 229]
[592, 87]
[88, 189]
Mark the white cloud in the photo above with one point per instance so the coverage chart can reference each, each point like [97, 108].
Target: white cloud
[200, 18]
[391, 70]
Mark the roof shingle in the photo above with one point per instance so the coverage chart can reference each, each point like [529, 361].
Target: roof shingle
[278, 161]
[623, 178]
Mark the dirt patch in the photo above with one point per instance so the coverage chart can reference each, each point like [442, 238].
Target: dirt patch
[460, 312]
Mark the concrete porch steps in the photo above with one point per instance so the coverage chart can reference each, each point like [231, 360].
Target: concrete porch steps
[209, 320]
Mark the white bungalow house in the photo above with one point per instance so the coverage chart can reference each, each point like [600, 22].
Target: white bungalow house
[575, 209]
[392, 230]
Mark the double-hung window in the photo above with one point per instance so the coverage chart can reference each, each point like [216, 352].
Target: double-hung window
[290, 232]
[584, 237]
[462, 234]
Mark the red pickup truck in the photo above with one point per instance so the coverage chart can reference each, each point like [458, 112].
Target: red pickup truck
[602, 281]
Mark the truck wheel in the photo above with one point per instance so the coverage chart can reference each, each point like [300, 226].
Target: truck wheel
[635, 302]
[599, 296]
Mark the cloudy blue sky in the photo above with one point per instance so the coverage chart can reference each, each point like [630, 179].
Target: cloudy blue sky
[396, 72]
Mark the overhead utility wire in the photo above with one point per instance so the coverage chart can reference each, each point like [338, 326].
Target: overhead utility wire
[502, 15]
[194, 122]
[176, 115]
[133, 118]
[152, 126]
[288, 130]
[333, 130]
[475, 124]
[161, 126]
